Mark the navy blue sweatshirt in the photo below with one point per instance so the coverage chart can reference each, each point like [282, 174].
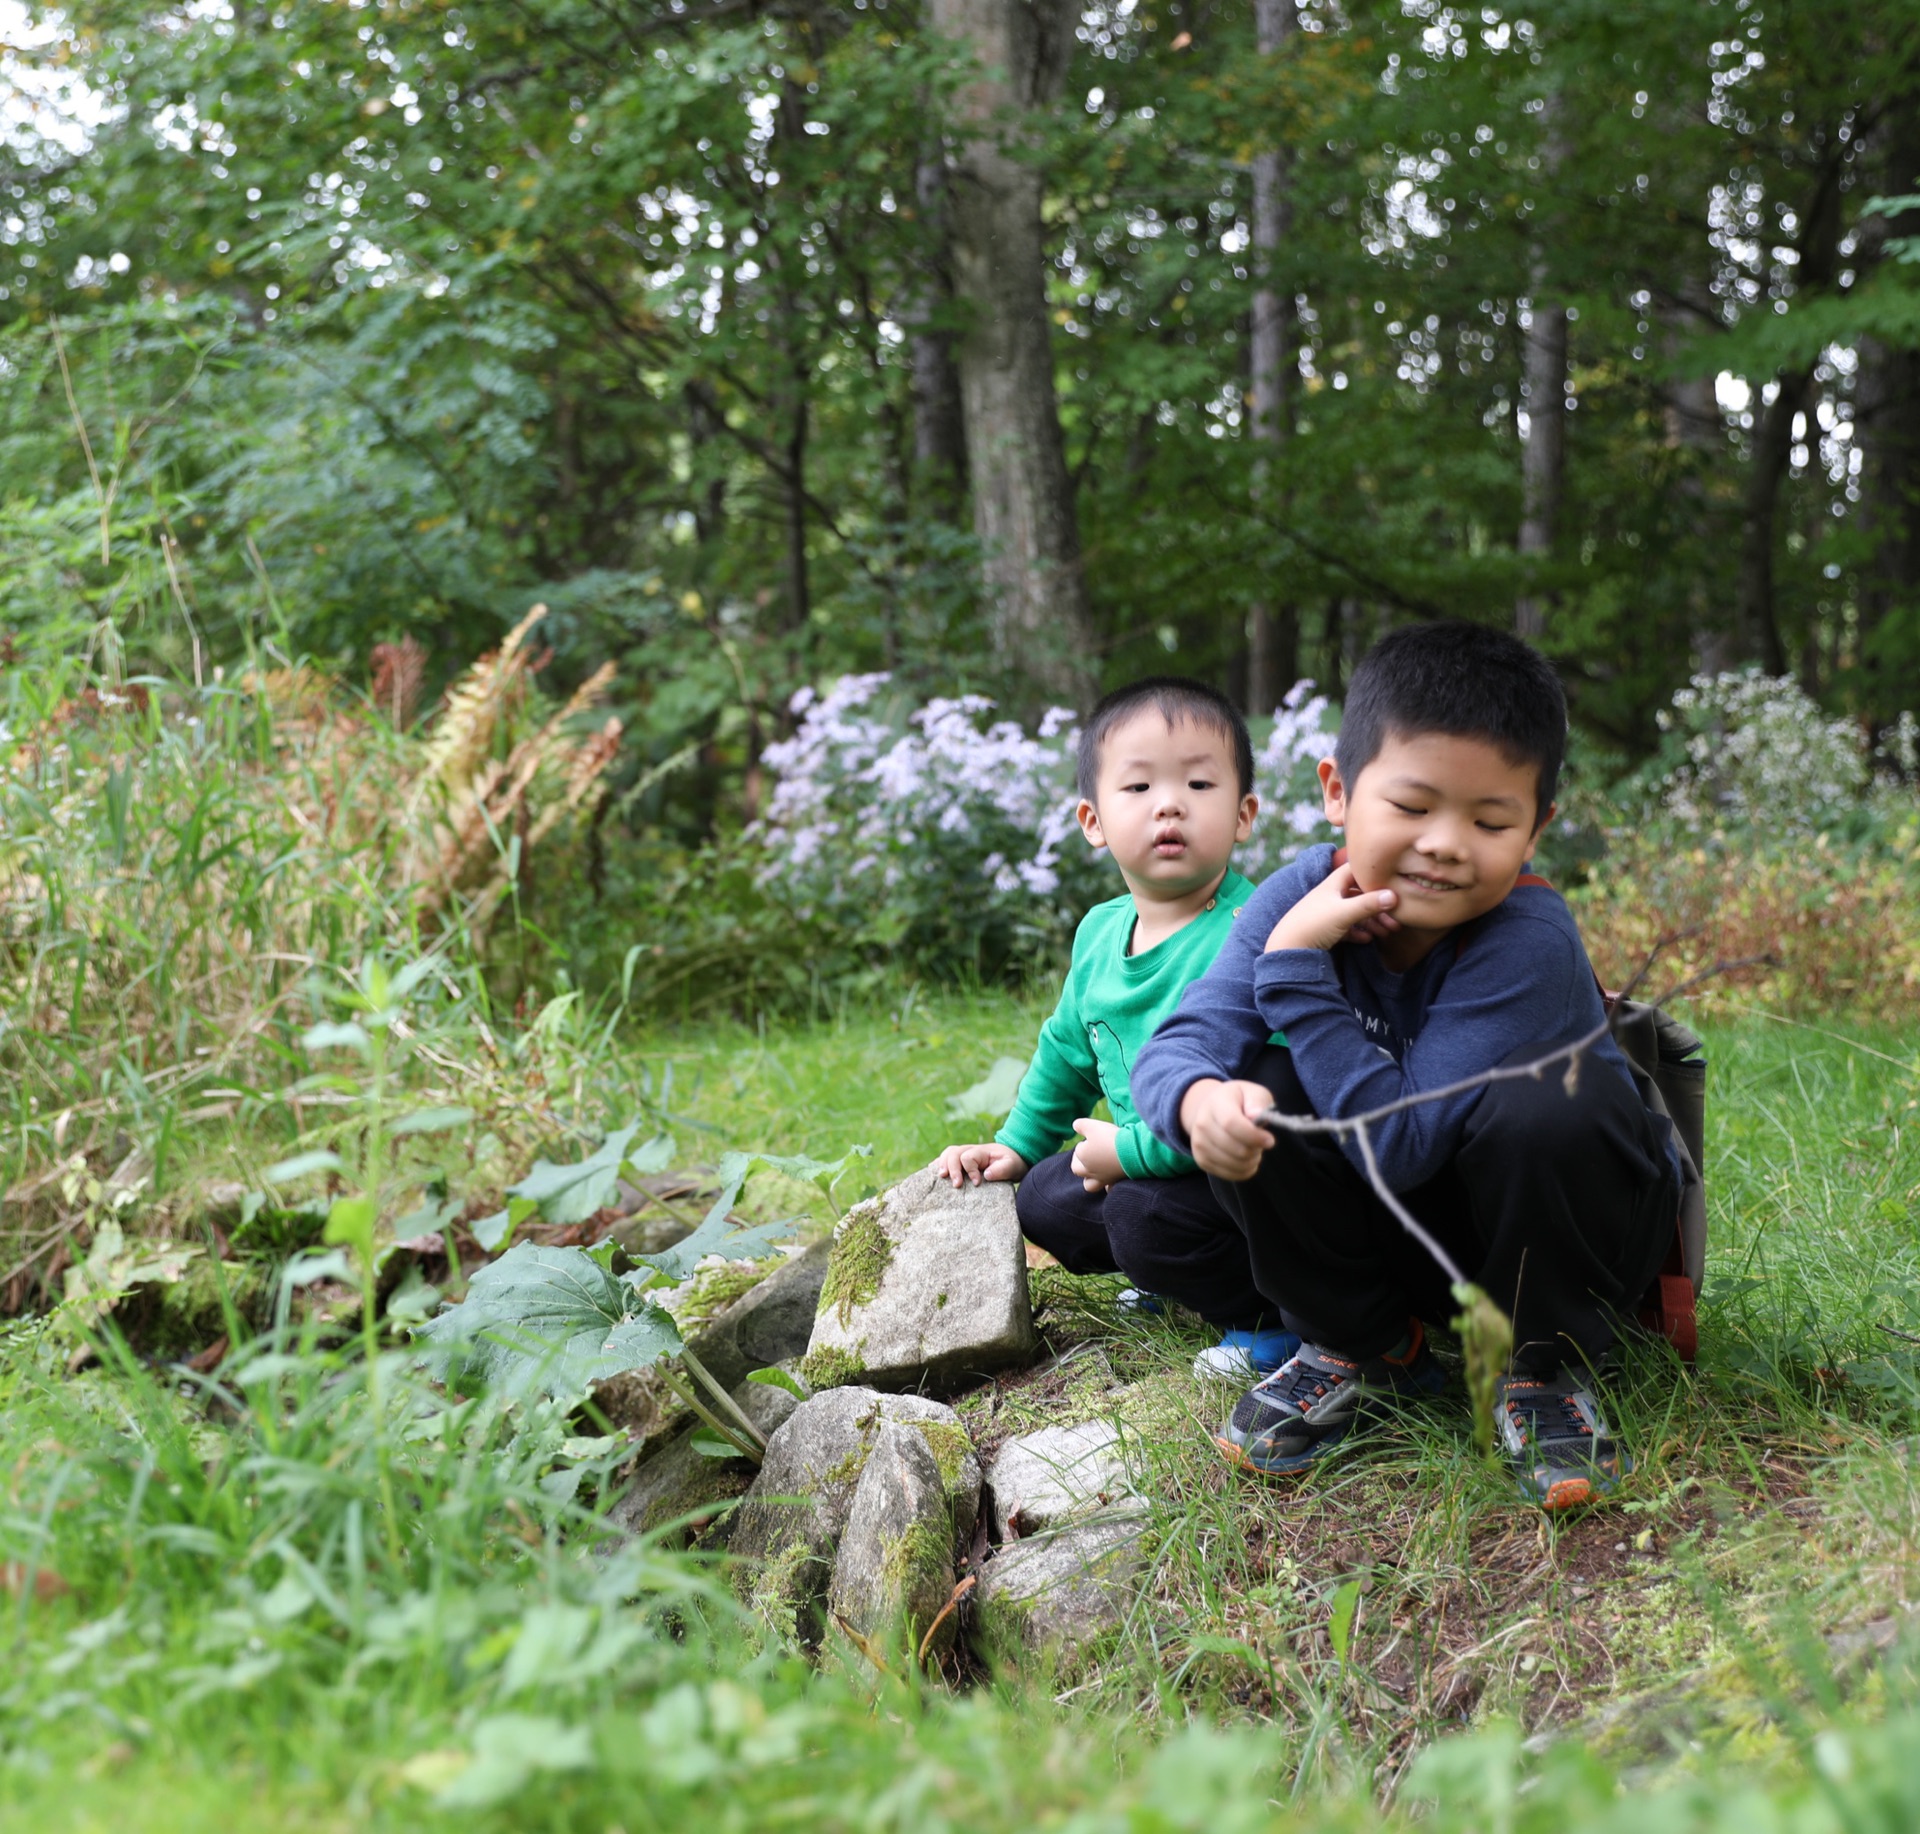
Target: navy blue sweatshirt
[1363, 1036]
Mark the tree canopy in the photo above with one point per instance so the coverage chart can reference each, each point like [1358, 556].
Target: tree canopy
[385, 317]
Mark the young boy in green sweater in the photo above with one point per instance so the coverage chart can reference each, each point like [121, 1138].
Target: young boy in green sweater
[1165, 774]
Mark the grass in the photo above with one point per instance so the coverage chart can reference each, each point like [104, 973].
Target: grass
[225, 1620]
[1746, 1513]
[211, 1613]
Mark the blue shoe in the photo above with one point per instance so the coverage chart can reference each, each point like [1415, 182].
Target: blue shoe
[1245, 1356]
[1132, 1299]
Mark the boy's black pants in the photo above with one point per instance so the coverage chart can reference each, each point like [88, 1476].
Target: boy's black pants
[1167, 1235]
[1560, 1206]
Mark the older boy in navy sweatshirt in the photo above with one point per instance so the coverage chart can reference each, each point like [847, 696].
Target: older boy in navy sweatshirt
[1416, 957]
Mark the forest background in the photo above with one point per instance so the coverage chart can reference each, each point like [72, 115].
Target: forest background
[1008, 348]
[859, 388]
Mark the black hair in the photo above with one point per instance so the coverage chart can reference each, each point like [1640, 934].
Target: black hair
[1174, 698]
[1468, 680]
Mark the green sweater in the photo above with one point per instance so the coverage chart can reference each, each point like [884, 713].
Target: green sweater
[1108, 1010]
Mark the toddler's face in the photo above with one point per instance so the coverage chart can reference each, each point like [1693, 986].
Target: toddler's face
[1446, 823]
[1168, 804]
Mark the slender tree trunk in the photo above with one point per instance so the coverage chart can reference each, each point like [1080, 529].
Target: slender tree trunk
[799, 595]
[1753, 589]
[1543, 460]
[1887, 417]
[1755, 612]
[939, 430]
[1023, 509]
[1273, 630]
[1696, 430]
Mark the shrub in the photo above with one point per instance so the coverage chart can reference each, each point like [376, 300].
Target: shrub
[949, 836]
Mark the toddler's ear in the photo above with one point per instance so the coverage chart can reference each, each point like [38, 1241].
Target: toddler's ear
[1089, 819]
[1540, 827]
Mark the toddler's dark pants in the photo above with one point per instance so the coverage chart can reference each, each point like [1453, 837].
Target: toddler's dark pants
[1560, 1206]
[1167, 1235]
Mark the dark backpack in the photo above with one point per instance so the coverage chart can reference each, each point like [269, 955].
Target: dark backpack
[1671, 1075]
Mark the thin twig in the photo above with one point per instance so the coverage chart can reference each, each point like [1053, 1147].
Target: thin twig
[946, 1611]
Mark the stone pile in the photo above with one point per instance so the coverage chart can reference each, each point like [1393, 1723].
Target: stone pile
[870, 1509]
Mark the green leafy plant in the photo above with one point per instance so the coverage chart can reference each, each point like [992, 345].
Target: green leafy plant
[554, 1321]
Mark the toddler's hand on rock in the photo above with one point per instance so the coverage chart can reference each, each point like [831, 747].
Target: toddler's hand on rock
[987, 1162]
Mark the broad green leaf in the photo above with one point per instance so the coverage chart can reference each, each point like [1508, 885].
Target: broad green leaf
[1346, 1603]
[331, 1035]
[781, 1378]
[509, 1749]
[991, 1098]
[709, 1444]
[303, 1165]
[495, 1231]
[572, 1193]
[720, 1234]
[350, 1225]
[548, 1320]
[431, 1121]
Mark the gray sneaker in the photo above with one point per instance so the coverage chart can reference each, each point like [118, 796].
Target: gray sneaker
[1305, 1408]
[1557, 1440]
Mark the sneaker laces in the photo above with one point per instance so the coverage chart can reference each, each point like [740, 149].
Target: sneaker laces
[1543, 1415]
[1292, 1389]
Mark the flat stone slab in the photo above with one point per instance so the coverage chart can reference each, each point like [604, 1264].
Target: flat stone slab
[791, 1524]
[678, 1481]
[770, 1323]
[1058, 1475]
[894, 1572]
[926, 1283]
[1061, 1590]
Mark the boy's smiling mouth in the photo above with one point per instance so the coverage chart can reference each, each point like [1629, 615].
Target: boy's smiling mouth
[1427, 883]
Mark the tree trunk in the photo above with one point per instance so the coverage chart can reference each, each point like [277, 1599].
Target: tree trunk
[1756, 615]
[1023, 510]
[1753, 591]
[1887, 419]
[1543, 460]
[939, 435]
[1696, 429]
[1273, 631]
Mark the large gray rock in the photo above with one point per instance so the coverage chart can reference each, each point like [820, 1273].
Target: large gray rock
[771, 1323]
[1061, 1590]
[926, 1284]
[788, 1531]
[680, 1482]
[894, 1573]
[1058, 1475]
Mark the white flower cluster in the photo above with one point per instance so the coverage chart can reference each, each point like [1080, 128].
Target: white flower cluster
[1759, 753]
[1291, 816]
[947, 820]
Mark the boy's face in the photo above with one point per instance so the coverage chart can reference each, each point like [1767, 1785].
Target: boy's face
[1167, 805]
[1445, 822]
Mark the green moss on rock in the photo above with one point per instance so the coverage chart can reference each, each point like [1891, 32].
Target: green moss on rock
[830, 1367]
[949, 1445]
[862, 1253]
